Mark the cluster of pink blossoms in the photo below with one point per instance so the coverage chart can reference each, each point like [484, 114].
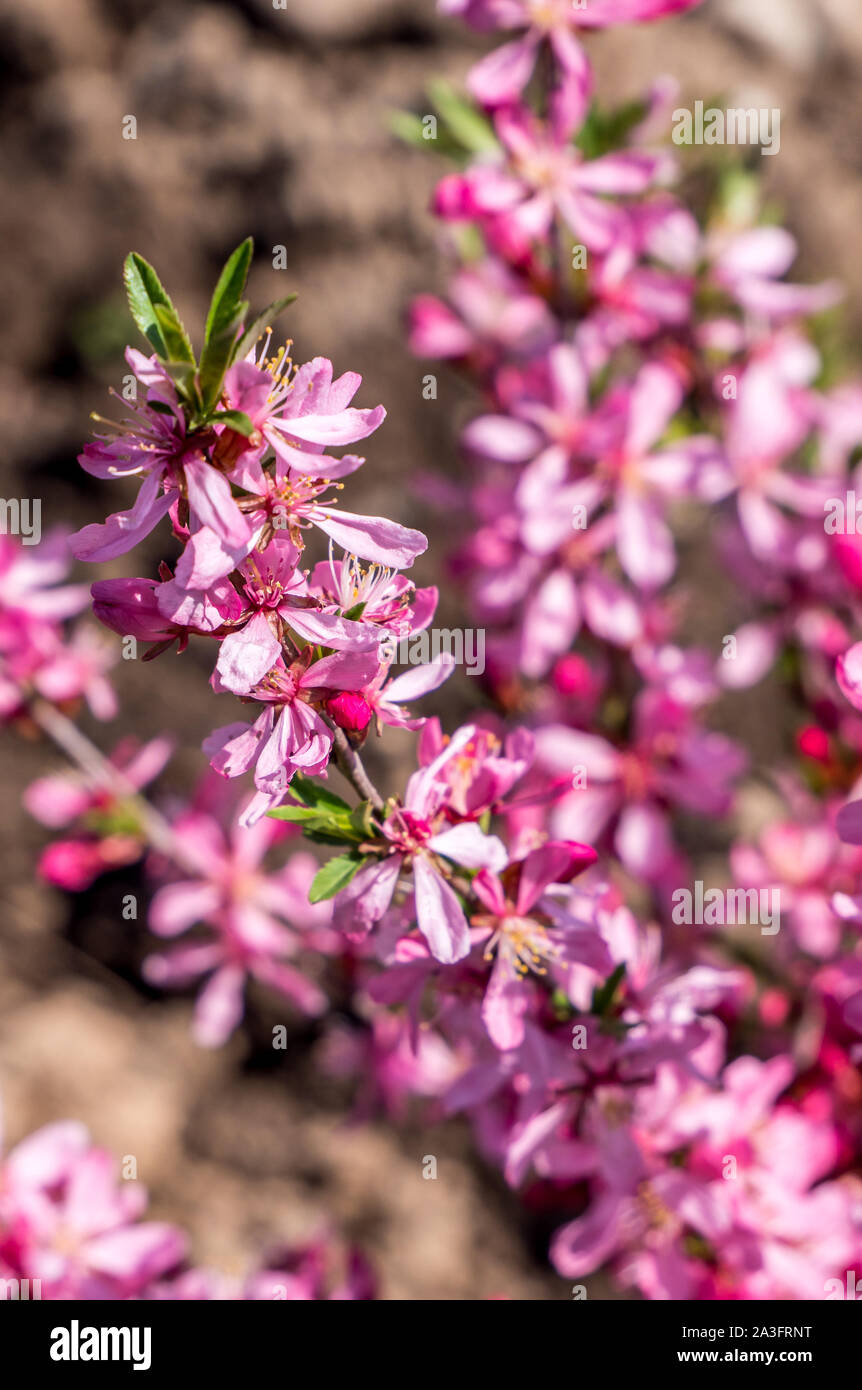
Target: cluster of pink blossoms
[649, 376]
[39, 657]
[71, 1228]
[688, 1097]
[233, 450]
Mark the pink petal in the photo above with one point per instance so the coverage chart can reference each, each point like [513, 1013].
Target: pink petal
[556, 861]
[439, 914]
[467, 845]
[371, 537]
[211, 501]
[848, 823]
[848, 673]
[501, 76]
[504, 1005]
[219, 1007]
[123, 530]
[245, 656]
[178, 906]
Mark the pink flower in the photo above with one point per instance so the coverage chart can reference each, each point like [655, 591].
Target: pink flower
[503, 75]
[256, 921]
[108, 834]
[543, 176]
[290, 735]
[490, 312]
[386, 698]
[131, 608]
[298, 412]
[749, 266]
[153, 443]
[417, 834]
[670, 761]
[767, 420]
[526, 932]
[67, 1221]
[32, 644]
[372, 595]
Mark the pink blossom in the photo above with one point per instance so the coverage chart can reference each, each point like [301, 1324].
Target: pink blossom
[152, 442]
[290, 735]
[256, 923]
[66, 1220]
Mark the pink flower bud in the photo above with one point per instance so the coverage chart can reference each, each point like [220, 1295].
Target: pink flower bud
[813, 742]
[572, 676]
[349, 711]
[128, 606]
[71, 864]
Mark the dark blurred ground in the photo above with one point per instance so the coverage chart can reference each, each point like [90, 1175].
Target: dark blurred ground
[274, 123]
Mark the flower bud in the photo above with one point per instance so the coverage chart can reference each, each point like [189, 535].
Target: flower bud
[349, 711]
[129, 607]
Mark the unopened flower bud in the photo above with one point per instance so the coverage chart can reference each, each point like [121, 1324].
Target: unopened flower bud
[349, 711]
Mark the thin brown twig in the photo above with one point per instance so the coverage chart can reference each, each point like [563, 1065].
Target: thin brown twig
[353, 768]
[102, 773]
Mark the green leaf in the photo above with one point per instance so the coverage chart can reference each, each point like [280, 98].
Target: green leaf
[603, 995]
[217, 356]
[334, 876]
[183, 376]
[324, 817]
[410, 128]
[227, 295]
[604, 131]
[225, 319]
[362, 820]
[298, 815]
[316, 794]
[469, 127]
[260, 321]
[235, 420]
[176, 338]
[147, 296]
[142, 309]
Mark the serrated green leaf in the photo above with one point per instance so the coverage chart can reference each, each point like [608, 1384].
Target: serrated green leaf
[331, 837]
[153, 311]
[179, 348]
[334, 876]
[227, 294]
[140, 279]
[260, 321]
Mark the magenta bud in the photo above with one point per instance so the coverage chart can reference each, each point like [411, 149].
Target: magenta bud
[349, 711]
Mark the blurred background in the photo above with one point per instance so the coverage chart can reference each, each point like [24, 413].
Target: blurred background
[274, 122]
